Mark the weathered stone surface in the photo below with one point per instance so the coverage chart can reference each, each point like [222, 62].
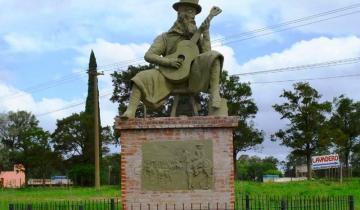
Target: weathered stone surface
[180, 165]
[135, 133]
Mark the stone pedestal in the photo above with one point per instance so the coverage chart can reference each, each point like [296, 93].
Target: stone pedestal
[177, 163]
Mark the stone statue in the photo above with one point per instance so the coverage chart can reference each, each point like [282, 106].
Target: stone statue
[185, 61]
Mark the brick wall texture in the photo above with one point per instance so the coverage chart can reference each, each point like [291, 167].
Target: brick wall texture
[135, 132]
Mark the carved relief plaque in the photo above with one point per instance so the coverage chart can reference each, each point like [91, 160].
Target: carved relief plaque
[180, 165]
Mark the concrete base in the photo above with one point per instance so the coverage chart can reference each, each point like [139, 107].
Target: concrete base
[136, 132]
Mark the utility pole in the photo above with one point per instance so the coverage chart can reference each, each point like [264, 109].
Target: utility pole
[94, 75]
[109, 175]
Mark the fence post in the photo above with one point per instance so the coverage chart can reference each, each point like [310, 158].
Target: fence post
[351, 203]
[112, 204]
[283, 205]
[11, 207]
[247, 202]
[81, 207]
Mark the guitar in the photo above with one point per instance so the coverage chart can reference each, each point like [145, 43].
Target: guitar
[186, 51]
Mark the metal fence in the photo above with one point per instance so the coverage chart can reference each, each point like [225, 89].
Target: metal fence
[106, 204]
[246, 202]
[243, 202]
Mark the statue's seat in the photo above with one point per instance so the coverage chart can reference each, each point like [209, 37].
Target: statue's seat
[179, 92]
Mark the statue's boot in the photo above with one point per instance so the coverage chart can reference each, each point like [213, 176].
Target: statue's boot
[133, 104]
[214, 85]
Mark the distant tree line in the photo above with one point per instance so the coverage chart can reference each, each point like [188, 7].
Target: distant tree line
[253, 168]
[44, 154]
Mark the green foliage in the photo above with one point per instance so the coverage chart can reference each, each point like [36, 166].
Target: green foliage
[345, 127]
[292, 161]
[88, 118]
[241, 104]
[111, 167]
[82, 174]
[273, 172]
[4, 158]
[4, 152]
[70, 140]
[28, 144]
[306, 130]
[355, 164]
[253, 168]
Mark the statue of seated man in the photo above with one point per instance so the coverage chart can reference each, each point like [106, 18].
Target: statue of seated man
[153, 87]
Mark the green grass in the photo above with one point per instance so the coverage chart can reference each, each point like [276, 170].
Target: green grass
[59, 194]
[306, 188]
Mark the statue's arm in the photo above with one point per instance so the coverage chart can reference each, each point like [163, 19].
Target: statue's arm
[157, 49]
[205, 43]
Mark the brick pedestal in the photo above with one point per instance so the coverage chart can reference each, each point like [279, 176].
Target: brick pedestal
[216, 131]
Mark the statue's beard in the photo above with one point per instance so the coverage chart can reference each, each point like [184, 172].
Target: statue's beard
[186, 25]
[189, 27]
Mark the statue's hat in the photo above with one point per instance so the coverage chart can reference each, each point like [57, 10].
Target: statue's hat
[193, 3]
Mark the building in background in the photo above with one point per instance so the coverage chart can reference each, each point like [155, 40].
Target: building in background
[13, 179]
[301, 170]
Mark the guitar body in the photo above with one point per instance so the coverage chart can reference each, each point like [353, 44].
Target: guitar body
[187, 51]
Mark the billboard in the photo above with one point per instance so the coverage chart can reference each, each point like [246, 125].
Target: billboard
[325, 162]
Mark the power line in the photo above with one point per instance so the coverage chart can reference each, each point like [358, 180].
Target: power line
[353, 6]
[282, 30]
[70, 106]
[307, 79]
[330, 63]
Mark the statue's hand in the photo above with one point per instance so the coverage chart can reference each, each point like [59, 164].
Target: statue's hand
[174, 62]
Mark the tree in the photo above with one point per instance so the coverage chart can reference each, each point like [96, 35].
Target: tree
[27, 144]
[355, 163]
[88, 116]
[4, 158]
[4, 152]
[111, 167]
[70, 140]
[307, 119]
[241, 104]
[253, 168]
[345, 127]
[289, 165]
[238, 94]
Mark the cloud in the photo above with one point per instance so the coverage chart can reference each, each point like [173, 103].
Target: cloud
[71, 23]
[230, 63]
[110, 52]
[13, 99]
[19, 43]
[320, 49]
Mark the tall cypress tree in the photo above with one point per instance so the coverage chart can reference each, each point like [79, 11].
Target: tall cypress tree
[89, 112]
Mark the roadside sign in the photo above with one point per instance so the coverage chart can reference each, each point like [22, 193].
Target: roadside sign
[325, 162]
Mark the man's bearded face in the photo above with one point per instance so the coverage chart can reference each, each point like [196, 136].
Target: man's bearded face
[187, 19]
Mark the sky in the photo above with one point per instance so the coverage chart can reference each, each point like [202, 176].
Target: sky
[45, 47]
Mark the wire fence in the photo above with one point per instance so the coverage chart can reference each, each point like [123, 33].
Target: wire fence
[243, 202]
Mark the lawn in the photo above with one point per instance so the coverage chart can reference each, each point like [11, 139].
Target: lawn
[59, 194]
[307, 188]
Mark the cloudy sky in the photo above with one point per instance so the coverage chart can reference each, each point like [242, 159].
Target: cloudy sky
[45, 47]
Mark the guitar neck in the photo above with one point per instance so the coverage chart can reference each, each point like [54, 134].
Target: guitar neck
[195, 38]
